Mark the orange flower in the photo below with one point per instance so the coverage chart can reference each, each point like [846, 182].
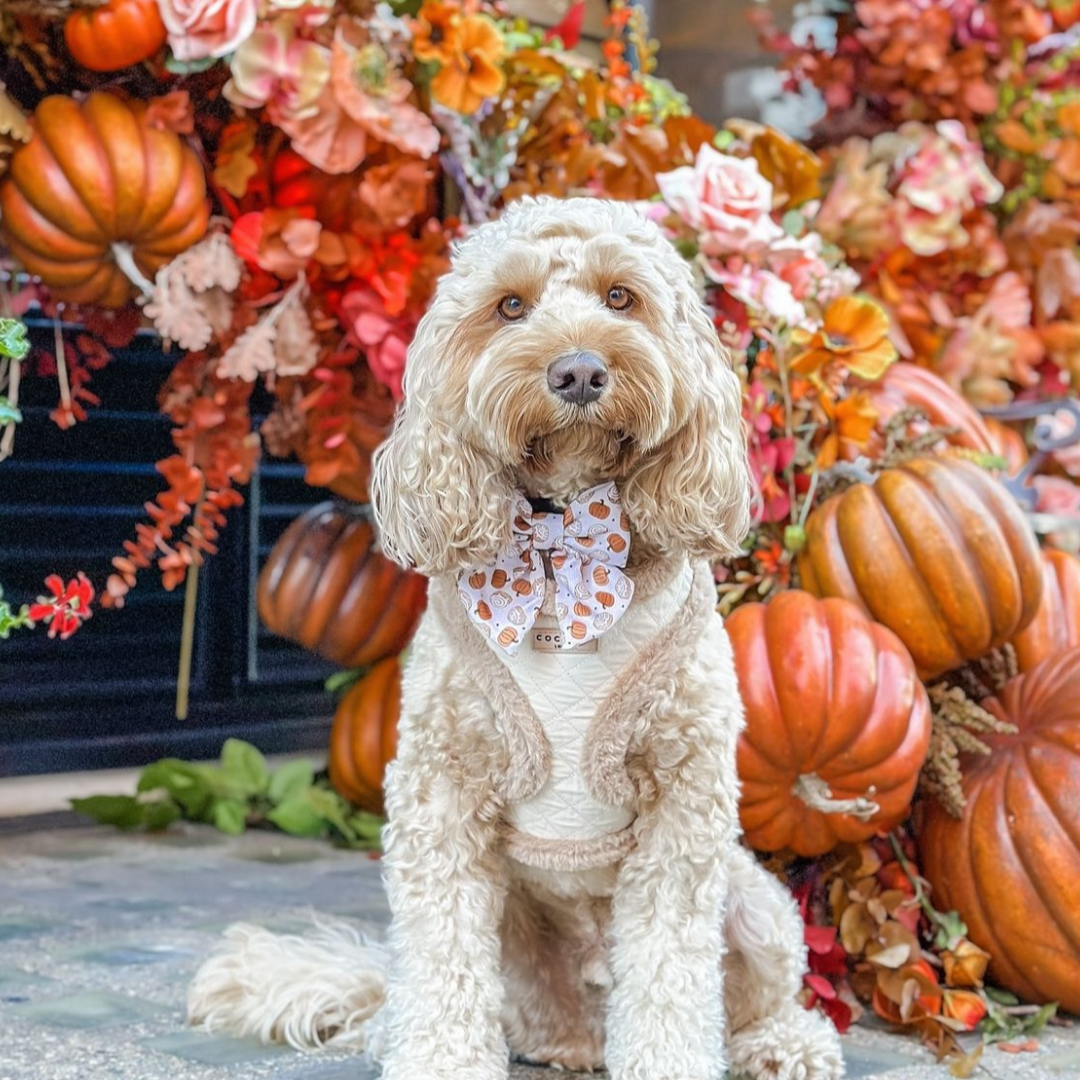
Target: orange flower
[965, 965]
[472, 72]
[965, 1007]
[855, 333]
[853, 420]
[792, 169]
[435, 32]
[1068, 116]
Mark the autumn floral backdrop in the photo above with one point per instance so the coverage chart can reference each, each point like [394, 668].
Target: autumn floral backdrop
[274, 186]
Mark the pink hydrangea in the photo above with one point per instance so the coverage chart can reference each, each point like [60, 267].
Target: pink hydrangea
[1061, 424]
[769, 298]
[384, 339]
[201, 28]
[725, 199]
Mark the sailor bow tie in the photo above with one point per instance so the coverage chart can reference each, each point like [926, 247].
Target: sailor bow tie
[589, 543]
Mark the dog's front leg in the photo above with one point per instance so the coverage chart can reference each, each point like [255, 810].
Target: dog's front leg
[666, 1018]
[446, 895]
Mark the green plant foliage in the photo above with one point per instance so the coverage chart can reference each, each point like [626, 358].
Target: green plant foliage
[13, 343]
[11, 619]
[238, 793]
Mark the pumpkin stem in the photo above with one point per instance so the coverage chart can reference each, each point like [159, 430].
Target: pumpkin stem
[125, 260]
[816, 794]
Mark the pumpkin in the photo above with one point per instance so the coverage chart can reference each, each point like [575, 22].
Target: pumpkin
[363, 738]
[937, 550]
[1011, 865]
[115, 35]
[906, 386]
[97, 197]
[326, 586]
[1056, 626]
[1008, 444]
[835, 712]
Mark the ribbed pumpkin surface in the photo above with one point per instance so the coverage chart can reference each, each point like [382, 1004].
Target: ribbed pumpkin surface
[937, 550]
[829, 694]
[1056, 626]
[95, 175]
[326, 586]
[1011, 865]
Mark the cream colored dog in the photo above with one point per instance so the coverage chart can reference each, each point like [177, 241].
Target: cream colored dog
[562, 855]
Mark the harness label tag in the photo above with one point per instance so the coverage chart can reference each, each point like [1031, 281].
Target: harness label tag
[546, 636]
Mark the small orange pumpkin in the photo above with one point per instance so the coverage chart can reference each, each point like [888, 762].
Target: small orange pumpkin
[1056, 626]
[97, 190]
[363, 738]
[1008, 444]
[835, 713]
[937, 550]
[327, 587]
[115, 35]
[1011, 865]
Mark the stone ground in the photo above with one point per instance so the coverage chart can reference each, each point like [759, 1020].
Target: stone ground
[100, 932]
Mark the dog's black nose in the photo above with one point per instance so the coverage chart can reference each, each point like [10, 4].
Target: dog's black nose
[578, 378]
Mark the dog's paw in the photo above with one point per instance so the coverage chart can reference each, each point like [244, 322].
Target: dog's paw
[798, 1045]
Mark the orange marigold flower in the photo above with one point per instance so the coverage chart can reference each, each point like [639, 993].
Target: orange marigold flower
[472, 73]
[855, 333]
[435, 31]
[853, 420]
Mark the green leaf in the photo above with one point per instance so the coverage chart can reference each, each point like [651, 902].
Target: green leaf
[289, 779]
[160, 814]
[297, 816]
[368, 827]
[9, 414]
[1002, 997]
[185, 782]
[793, 223]
[951, 928]
[342, 680]
[230, 816]
[333, 808]
[13, 343]
[245, 767]
[122, 811]
[189, 67]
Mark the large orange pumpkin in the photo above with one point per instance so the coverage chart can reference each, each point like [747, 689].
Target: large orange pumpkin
[834, 711]
[97, 191]
[115, 35]
[1011, 865]
[937, 550]
[363, 739]
[906, 386]
[327, 587]
[1056, 626]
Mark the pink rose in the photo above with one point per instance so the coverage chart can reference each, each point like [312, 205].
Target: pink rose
[725, 199]
[201, 28]
[385, 340]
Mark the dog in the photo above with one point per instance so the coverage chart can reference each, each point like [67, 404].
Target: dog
[562, 853]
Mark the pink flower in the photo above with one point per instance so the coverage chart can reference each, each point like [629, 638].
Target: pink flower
[768, 461]
[385, 340]
[769, 298]
[1063, 423]
[202, 28]
[726, 199]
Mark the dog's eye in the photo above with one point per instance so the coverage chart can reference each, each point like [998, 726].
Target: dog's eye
[512, 308]
[618, 298]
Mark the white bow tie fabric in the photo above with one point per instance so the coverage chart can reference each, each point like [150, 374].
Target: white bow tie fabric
[589, 543]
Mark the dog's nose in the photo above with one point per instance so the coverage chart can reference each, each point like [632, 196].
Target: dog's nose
[578, 378]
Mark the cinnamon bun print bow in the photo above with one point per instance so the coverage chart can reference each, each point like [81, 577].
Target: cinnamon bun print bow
[589, 544]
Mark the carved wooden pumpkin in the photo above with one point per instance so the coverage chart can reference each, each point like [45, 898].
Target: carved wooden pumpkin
[115, 35]
[1011, 865]
[835, 713]
[1056, 626]
[905, 386]
[937, 550]
[96, 190]
[363, 739]
[327, 587]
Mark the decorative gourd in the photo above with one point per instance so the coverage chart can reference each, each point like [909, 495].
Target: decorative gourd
[837, 723]
[326, 586]
[1011, 865]
[97, 198]
[1056, 626]
[937, 550]
[115, 35]
[363, 739]
[1008, 443]
[906, 386]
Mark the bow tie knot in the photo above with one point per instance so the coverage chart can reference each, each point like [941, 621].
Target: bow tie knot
[588, 544]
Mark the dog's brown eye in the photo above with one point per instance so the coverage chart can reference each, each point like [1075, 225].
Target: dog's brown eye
[618, 298]
[511, 308]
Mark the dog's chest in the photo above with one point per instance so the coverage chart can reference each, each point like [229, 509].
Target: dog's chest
[566, 688]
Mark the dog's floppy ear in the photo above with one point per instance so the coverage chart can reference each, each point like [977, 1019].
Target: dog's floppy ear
[441, 505]
[692, 493]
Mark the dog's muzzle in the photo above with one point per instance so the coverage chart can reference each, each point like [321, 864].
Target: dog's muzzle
[578, 379]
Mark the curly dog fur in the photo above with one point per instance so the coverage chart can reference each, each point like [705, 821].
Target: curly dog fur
[681, 957]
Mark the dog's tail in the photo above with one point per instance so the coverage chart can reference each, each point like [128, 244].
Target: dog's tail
[321, 988]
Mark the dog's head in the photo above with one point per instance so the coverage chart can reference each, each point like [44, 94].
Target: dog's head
[566, 346]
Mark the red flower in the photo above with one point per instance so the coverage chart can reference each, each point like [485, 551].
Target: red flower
[68, 607]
